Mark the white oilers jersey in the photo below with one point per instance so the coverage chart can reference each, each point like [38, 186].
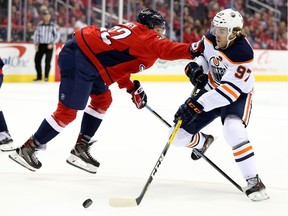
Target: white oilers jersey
[229, 72]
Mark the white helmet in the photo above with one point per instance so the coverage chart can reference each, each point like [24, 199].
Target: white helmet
[229, 19]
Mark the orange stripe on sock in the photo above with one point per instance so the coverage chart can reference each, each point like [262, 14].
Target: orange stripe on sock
[194, 141]
[242, 151]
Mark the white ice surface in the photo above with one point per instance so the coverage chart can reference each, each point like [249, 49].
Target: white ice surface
[129, 144]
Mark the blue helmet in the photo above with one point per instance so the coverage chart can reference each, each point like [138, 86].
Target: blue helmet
[151, 18]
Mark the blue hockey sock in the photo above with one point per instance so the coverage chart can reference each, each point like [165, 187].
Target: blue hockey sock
[89, 124]
[3, 125]
[45, 133]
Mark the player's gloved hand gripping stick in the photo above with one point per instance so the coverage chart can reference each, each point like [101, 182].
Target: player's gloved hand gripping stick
[197, 151]
[130, 202]
[139, 97]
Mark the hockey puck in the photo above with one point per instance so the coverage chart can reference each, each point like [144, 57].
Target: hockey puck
[87, 203]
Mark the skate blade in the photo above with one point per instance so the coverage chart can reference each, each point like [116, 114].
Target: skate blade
[7, 147]
[258, 196]
[18, 159]
[80, 164]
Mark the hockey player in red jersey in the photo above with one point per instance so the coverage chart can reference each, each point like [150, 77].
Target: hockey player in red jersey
[224, 74]
[91, 61]
[6, 141]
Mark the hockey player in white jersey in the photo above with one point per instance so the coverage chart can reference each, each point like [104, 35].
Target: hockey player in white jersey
[224, 74]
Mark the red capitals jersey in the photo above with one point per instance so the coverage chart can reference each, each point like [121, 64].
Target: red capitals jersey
[126, 49]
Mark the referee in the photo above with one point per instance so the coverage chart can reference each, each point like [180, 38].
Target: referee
[45, 36]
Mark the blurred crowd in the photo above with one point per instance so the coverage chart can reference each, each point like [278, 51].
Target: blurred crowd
[264, 29]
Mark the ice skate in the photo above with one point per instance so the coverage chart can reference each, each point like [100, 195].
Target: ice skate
[256, 189]
[209, 140]
[80, 155]
[6, 142]
[25, 155]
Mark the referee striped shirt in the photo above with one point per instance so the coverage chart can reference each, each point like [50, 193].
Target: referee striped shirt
[46, 34]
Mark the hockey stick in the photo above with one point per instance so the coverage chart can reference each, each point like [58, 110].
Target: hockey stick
[218, 169]
[157, 115]
[162, 119]
[200, 153]
[130, 202]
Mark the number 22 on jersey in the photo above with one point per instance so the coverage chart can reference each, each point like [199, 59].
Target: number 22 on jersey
[116, 33]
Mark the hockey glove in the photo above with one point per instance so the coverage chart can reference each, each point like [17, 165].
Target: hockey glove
[188, 111]
[196, 75]
[197, 48]
[139, 98]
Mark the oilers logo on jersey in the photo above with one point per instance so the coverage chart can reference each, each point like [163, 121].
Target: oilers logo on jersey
[217, 68]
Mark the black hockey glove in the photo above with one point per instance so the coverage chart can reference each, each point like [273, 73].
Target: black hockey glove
[196, 75]
[197, 48]
[139, 98]
[188, 111]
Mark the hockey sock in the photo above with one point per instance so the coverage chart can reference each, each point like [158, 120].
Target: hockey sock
[197, 141]
[90, 123]
[245, 159]
[47, 131]
[3, 125]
